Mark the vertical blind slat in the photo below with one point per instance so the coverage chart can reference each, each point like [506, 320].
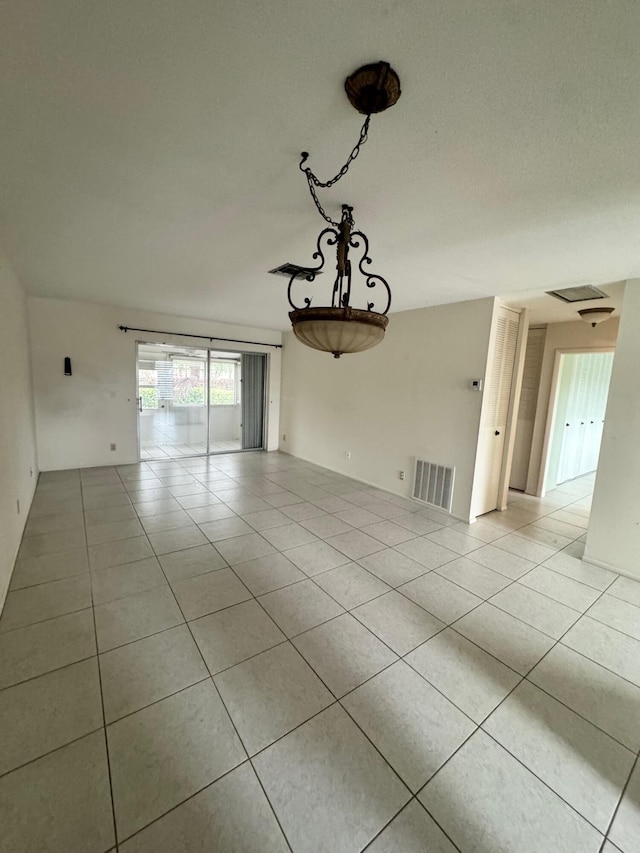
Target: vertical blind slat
[253, 383]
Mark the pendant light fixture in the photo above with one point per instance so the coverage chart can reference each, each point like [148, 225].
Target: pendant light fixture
[596, 315]
[343, 324]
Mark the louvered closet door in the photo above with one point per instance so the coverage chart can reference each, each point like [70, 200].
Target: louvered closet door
[594, 411]
[527, 408]
[584, 378]
[495, 411]
[578, 369]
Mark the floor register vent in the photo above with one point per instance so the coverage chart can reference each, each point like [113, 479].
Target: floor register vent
[433, 484]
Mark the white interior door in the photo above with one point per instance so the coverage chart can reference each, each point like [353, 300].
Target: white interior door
[495, 412]
[576, 383]
[581, 400]
[594, 412]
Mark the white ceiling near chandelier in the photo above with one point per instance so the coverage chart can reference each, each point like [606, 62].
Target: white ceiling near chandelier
[149, 152]
[544, 308]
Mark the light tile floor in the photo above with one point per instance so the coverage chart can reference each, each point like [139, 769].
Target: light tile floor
[250, 653]
[171, 449]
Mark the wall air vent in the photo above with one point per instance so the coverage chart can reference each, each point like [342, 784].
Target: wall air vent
[578, 294]
[433, 484]
[292, 269]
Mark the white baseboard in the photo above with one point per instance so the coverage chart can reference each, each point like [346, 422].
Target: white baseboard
[373, 485]
[601, 564]
[4, 591]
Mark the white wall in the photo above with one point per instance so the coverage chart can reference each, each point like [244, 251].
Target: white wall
[18, 468]
[560, 336]
[613, 540]
[79, 416]
[407, 397]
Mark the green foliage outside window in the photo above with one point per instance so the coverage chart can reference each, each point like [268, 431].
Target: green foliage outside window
[188, 395]
[149, 398]
[187, 378]
[222, 397]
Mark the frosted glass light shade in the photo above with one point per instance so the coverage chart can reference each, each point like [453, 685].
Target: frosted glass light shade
[338, 330]
[596, 315]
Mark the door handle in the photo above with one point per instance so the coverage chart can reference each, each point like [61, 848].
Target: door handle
[497, 432]
[567, 424]
[139, 402]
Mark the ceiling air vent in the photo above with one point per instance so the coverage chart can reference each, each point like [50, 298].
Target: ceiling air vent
[578, 294]
[293, 269]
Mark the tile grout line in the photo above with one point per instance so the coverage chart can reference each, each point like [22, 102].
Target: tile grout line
[226, 710]
[61, 746]
[526, 678]
[338, 701]
[607, 625]
[104, 724]
[428, 571]
[551, 648]
[636, 764]
[541, 780]
[523, 678]
[55, 669]
[10, 631]
[480, 727]
[581, 614]
[415, 799]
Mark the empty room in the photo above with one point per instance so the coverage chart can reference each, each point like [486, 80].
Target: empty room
[319, 459]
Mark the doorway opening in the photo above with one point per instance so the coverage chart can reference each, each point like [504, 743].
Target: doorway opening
[579, 405]
[198, 401]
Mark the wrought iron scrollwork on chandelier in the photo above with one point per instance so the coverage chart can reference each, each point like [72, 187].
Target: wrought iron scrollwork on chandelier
[341, 327]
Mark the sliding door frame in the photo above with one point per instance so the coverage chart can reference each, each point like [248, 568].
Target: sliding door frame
[209, 350]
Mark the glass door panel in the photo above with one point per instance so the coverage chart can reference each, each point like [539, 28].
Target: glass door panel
[225, 402]
[172, 401]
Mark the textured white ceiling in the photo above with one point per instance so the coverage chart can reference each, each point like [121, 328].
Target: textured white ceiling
[543, 308]
[149, 152]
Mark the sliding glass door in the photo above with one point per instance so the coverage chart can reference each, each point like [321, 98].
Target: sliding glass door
[225, 403]
[193, 402]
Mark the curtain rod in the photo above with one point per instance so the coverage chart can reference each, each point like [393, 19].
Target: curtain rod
[204, 337]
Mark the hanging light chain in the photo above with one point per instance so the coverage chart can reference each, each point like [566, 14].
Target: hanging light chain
[314, 181]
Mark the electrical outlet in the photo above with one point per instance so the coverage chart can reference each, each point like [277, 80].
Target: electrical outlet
[348, 454]
[401, 475]
[18, 505]
[112, 447]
